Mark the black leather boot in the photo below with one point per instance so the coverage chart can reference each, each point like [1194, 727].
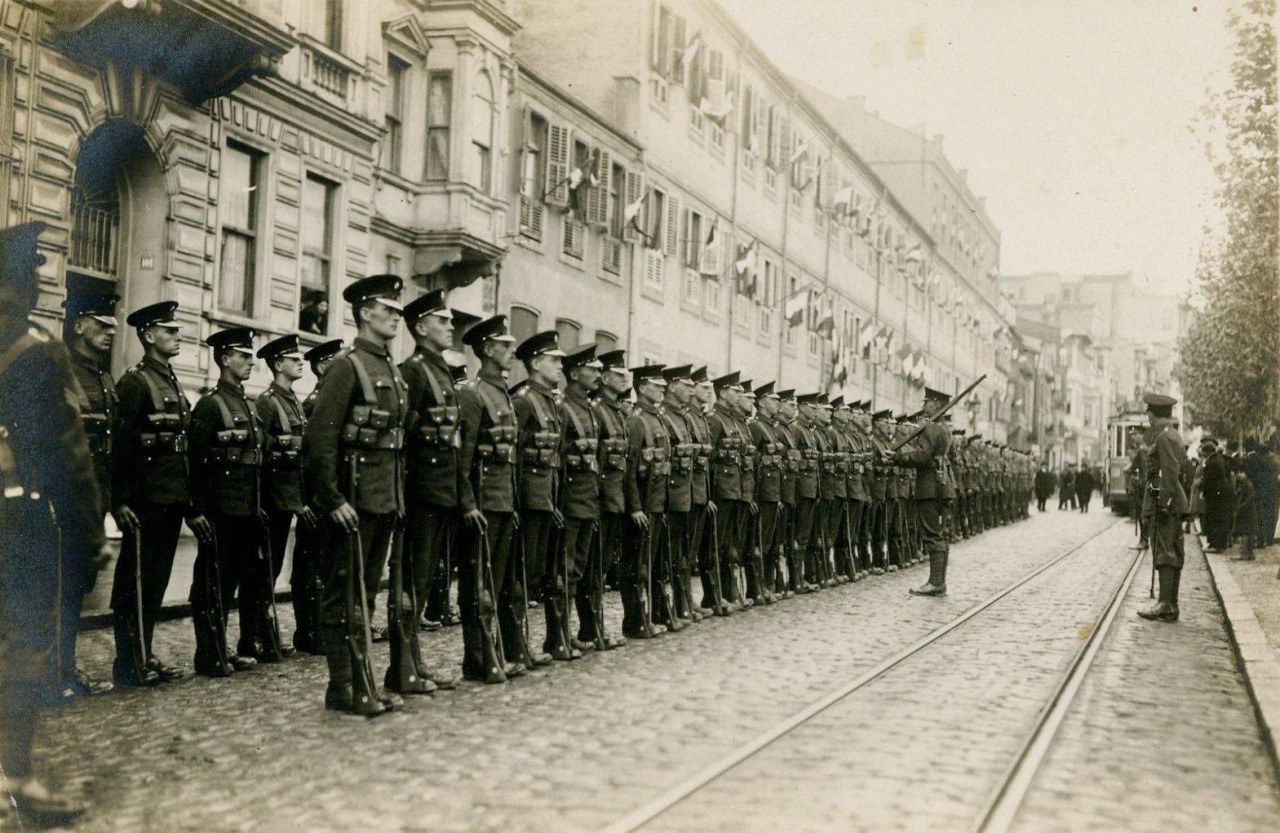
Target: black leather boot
[1165, 608]
[937, 584]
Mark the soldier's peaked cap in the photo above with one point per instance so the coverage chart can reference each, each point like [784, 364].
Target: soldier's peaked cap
[934, 395]
[382, 288]
[765, 390]
[161, 314]
[546, 343]
[838, 402]
[648, 372]
[810, 399]
[745, 384]
[494, 328]
[239, 339]
[678, 373]
[19, 255]
[614, 360]
[787, 395]
[432, 303]
[883, 413]
[584, 356]
[100, 306]
[699, 375]
[286, 347]
[323, 350]
[728, 380]
[1159, 404]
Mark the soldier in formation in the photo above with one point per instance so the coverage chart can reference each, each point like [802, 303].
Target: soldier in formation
[534, 494]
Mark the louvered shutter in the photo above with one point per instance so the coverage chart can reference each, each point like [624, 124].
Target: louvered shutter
[673, 226]
[522, 143]
[598, 198]
[748, 103]
[690, 247]
[634, 190]
[676, 61]
[784, 142]
[559, 146]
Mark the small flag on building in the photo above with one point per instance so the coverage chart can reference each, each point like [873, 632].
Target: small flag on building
[747, 257]
[827, 318]
[691, 51]
[795, 307]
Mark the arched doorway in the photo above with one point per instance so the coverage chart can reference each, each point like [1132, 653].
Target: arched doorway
[119, 211]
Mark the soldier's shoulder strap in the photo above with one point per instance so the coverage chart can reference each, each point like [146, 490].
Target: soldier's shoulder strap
[572, 412]
[285, 426]
[362, 375]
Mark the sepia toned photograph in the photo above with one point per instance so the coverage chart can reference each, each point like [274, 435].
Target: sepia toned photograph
[576, 416]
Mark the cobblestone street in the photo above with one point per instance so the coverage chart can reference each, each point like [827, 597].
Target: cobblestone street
[580, 745]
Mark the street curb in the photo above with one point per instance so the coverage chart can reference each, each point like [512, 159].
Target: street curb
[1260, 664]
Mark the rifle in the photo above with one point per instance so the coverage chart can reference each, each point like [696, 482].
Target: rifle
[364, 687]
[139, 641]
[490, 628]
[938, 416]
[668, 600]
[215, 614]
[404, 628]
[272, 649]
[722, 607]
[644, 594]
[596, 565]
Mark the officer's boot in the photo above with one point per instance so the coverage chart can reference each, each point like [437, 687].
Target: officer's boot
[664, 607]
[585, 606]
[1176, 582]
[1164, 609]
[342, 694]
[303, 632]
[937, 584]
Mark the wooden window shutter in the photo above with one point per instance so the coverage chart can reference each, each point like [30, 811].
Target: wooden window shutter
[748, 96]
[634, 190]
[559, 146]
[690, 247]
[673, 225]
[661, 38]
[522, 143]
[598, 197]
[676, 60]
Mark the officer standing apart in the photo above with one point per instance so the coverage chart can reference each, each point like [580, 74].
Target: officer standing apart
[1164, 503]
[46, 478]
[90, 332]
[282, 420]
[354, 470]
[225, 457]
[928, 455]
[304, 578]
[149, 486]
[541, 523]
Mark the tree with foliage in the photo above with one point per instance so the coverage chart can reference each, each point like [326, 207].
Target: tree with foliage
[1229, 365]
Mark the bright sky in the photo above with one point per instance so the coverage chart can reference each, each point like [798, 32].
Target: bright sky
[1072, 116]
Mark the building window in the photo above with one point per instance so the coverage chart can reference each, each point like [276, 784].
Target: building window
[570, 334]
[655, 215]
[711, 304]
[793, 286]
[523, 322]
[317, 252]
[617, 201]
[332, 33]
[605, 341]
[239, 211]
[691, 289]
[482, 134]
[439, 112]
[397, 71]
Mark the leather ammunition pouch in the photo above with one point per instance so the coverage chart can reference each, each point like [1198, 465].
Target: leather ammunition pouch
[583, 454]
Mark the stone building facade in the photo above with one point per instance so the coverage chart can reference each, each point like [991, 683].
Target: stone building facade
[637, 174]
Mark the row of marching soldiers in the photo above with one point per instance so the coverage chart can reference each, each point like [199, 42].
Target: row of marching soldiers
[534, 495]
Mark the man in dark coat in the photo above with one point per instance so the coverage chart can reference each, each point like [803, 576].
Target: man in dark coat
[48, 502]
[1084, 484]
[1262, 470]
[1066, 488]
[1045, 484]
[933, 490]
[1219, 497]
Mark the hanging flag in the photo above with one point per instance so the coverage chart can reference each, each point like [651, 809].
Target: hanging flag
[827, 318]
[799, 153]
[720, 113]
[586, 172]
[904, 359]
[747, 257]
[916, 255]
[865, 334]
[796, 306]
[839, 371]
[843, 200]
[632, 211]
[691, 51]
[918, 365]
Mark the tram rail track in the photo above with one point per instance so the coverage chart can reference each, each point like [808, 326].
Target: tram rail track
[1008, 795]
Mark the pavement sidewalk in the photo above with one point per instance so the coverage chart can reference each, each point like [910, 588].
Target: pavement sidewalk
[1250, 595]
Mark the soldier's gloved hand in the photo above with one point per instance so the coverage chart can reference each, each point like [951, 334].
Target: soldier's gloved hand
[202, 528]
[755, 510]
[640, 519]
[711, 508]
[125, 519]
[345, 518]
[475, 520]
[558, 518]
[308, 516]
